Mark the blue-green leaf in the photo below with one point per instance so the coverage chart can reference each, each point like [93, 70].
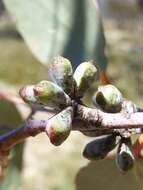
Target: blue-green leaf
[70, 28]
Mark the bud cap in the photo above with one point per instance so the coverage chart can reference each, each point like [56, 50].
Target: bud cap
[108, 98]
[59, 127]
[84, 76]
[61, 73]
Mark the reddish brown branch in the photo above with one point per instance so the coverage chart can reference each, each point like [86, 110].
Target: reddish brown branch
[31, 128]
[94, 117]
[87, 119]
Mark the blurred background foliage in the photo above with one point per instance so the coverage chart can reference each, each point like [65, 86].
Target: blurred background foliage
[64, 168]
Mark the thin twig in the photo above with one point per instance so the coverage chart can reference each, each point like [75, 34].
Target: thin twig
[31, 128]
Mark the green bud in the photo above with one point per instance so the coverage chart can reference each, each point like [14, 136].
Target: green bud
[108, 98]
[51, 95]
[84, 76]
[124, 157]
[45, 93]
[27, 94]
[59, 127]
[99, 148]
[61, 73]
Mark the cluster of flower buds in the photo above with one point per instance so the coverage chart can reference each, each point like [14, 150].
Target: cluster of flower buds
[68, 87]
[103, 146]
[100, 147]
[109, 99]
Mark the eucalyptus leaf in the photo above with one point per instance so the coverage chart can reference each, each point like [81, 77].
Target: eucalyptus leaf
[70, 28]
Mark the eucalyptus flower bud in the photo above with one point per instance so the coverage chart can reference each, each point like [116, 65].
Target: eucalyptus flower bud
[124, 158]
[61, 73]
[84, 76]
[27, 94]
[99, 148]
[51, 95]
[59, 126]
[108, 98]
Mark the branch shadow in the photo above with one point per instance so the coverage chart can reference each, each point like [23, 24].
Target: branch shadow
[10, 33]
[103, 175]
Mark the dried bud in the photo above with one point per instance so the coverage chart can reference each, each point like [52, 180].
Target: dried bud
[61, 73]
[124, 158]
[49, 94]
[108, 98]
[59, 127]
[99, 148]
[84, 76]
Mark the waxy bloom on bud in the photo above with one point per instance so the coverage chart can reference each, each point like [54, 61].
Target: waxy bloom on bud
[84, 76]
[61, 73]
[108, 98]
[45, 93]
[59, 126]
[124, 158]
[49, 94]
[99, 148]
[27, 94]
